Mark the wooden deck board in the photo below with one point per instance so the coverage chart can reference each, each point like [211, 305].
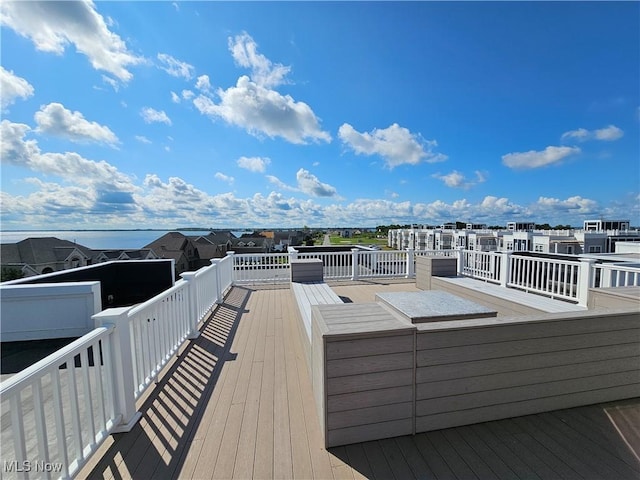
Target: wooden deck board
[238, 404]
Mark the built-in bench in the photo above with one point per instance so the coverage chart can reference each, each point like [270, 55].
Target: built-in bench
[307, 294]
[376, 375]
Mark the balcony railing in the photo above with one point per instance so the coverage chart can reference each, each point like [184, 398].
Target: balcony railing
[57, 412]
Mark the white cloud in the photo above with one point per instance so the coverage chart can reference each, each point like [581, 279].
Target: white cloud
[175, 98]
[536, 159]
[175, 67]
[187, 94]
[279, 183]
[224, 178]
[15, 150]
[254, 164]
[203, 84]
[395, 144]
[309, 184]
[262, 111]
[51, 26]
[572, 205]
[176, 6]
[12, 87]
[454, 179]
[608, 134]
[457, 180]
[142, 139]
[244, 50]
[151, 115]
[55, 119]
[111, 82]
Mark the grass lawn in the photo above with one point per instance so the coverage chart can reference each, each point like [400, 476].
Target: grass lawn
[358, 240]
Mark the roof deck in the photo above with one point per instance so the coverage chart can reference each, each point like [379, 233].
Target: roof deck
[238, 403]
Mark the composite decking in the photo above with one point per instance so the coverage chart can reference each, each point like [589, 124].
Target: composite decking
[237, 403]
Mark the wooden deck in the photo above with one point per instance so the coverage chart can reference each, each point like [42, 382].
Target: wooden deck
[238, 403]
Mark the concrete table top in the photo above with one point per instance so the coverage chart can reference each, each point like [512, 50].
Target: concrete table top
[433, 306]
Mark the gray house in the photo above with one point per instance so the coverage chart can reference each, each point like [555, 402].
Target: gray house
[35, 256]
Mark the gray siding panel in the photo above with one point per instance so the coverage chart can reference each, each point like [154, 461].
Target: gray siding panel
[524, 362]
[372, 431]
[387, 396]
[535, 366]
[522, 347]
[369, 364]
[364, 416]
[438, 421]
[369, 381]
[380, 345]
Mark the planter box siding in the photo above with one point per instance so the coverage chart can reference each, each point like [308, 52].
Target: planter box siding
[426, 267]
[307, 270]
[479, 371]
[363, 372]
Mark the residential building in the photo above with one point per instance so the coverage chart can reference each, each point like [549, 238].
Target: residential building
[41, 255]
[604, 225]
[180, 248]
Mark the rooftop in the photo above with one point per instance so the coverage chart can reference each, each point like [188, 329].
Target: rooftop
[237, 403]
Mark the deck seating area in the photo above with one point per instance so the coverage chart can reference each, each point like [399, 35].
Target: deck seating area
[238, 403]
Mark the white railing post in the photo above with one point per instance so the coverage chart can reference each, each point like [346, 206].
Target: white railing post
[606, 277]
[460, 250]
[585, 274]
[411, 258]
[194, 308]
[122, 367]
[231, 253]
[215, 264]
[354, 263]
[505, 268]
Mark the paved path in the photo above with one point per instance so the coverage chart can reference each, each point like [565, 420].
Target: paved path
[327, 240]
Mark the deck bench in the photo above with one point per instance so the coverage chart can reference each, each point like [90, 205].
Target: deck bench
[307, 294]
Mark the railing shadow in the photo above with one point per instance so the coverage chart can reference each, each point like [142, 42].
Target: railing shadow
[158, 445]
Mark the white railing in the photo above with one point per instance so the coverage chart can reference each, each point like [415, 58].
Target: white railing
[261, 267]
[550, 276]
[616, 275]
[384, 263]
[225, 275]
[57, 412]
[483, 265]
[158, 327]
[336, 265]
[353, 264]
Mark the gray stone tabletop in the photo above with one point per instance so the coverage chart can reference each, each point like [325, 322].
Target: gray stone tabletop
[433, 306]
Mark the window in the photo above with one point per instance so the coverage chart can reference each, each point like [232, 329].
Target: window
[570, 249]
[538, 248]
[595, 249]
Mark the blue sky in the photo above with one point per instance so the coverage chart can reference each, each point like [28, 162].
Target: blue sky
[216, 114]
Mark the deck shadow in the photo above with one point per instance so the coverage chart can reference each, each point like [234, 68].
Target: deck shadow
[595, 442]
[157, 445]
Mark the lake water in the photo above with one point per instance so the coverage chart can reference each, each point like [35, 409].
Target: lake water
[99, 239]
